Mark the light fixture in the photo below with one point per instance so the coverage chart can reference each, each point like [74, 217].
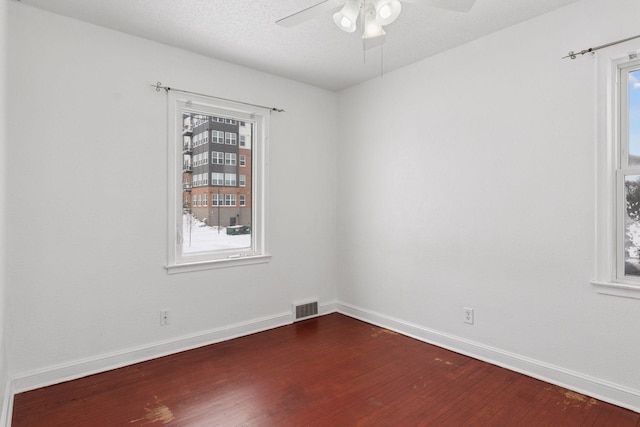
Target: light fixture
[373, 33]
[387, 11]
[346, 18]
[376, 13]
[383, 12]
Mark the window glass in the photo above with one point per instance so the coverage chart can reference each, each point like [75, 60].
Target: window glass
[633, 117]
[628, 173]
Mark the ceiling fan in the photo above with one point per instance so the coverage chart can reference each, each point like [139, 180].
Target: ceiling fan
[375, 15]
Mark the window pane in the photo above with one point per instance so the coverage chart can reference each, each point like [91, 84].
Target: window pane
[222, 223]
[634, 117]
[632, 225]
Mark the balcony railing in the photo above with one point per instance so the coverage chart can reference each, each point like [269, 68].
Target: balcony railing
[186, 187]
[187, 168]
[187, 148]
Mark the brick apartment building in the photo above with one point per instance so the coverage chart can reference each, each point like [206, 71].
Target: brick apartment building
[216, 173]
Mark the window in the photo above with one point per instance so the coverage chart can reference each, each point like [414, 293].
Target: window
[243, 160]
[628, 173]
[231, 138]
[217, 136]
[217, 158]
[618, 198]
[243, 180]
[217, 178]
[197, 230]
[230, 159]
[230, 179]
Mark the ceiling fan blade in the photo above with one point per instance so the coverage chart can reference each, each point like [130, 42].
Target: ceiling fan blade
[457, 5]
[310, 12]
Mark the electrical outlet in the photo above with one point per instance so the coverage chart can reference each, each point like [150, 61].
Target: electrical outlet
[467, 314]
[165, 319]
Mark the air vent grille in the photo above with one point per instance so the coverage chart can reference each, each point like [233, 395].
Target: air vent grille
[303, 311]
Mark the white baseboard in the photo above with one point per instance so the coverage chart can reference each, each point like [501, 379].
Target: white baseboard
[101, 363]
[7, 406]
[597, 388]
[105, 362]
[584, 384]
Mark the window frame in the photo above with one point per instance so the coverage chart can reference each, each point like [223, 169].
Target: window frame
[177, 262]
[611, 168]
[216, 182]
[219, 158]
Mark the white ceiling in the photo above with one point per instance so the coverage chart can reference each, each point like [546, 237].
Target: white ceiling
[315, 52]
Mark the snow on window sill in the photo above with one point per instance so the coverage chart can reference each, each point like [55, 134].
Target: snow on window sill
[220, 263]
[617, 289]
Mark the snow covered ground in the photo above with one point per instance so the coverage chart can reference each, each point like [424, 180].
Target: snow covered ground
[198, 237]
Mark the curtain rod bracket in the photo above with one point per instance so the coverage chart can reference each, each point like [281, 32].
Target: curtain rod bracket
[159, 86]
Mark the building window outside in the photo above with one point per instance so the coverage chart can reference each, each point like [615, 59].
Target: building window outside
[217, 136]
[217, 158]
[188, 251]
[230, 159]
[231, 138]
[217, 178]
[230, 179]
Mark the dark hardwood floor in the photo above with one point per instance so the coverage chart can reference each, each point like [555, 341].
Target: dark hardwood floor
[329, 371]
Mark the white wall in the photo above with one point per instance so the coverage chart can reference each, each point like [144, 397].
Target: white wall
[471, 183]
[88, 209]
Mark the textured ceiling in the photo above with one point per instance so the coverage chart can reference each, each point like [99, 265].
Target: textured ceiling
[315, 52]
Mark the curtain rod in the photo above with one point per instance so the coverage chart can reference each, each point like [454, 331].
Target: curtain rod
[159, 86]
[573, 54]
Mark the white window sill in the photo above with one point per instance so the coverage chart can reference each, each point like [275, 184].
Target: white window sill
[220, 263]
[617, 289]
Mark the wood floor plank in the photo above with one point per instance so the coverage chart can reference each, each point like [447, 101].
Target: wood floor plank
[329, 371]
